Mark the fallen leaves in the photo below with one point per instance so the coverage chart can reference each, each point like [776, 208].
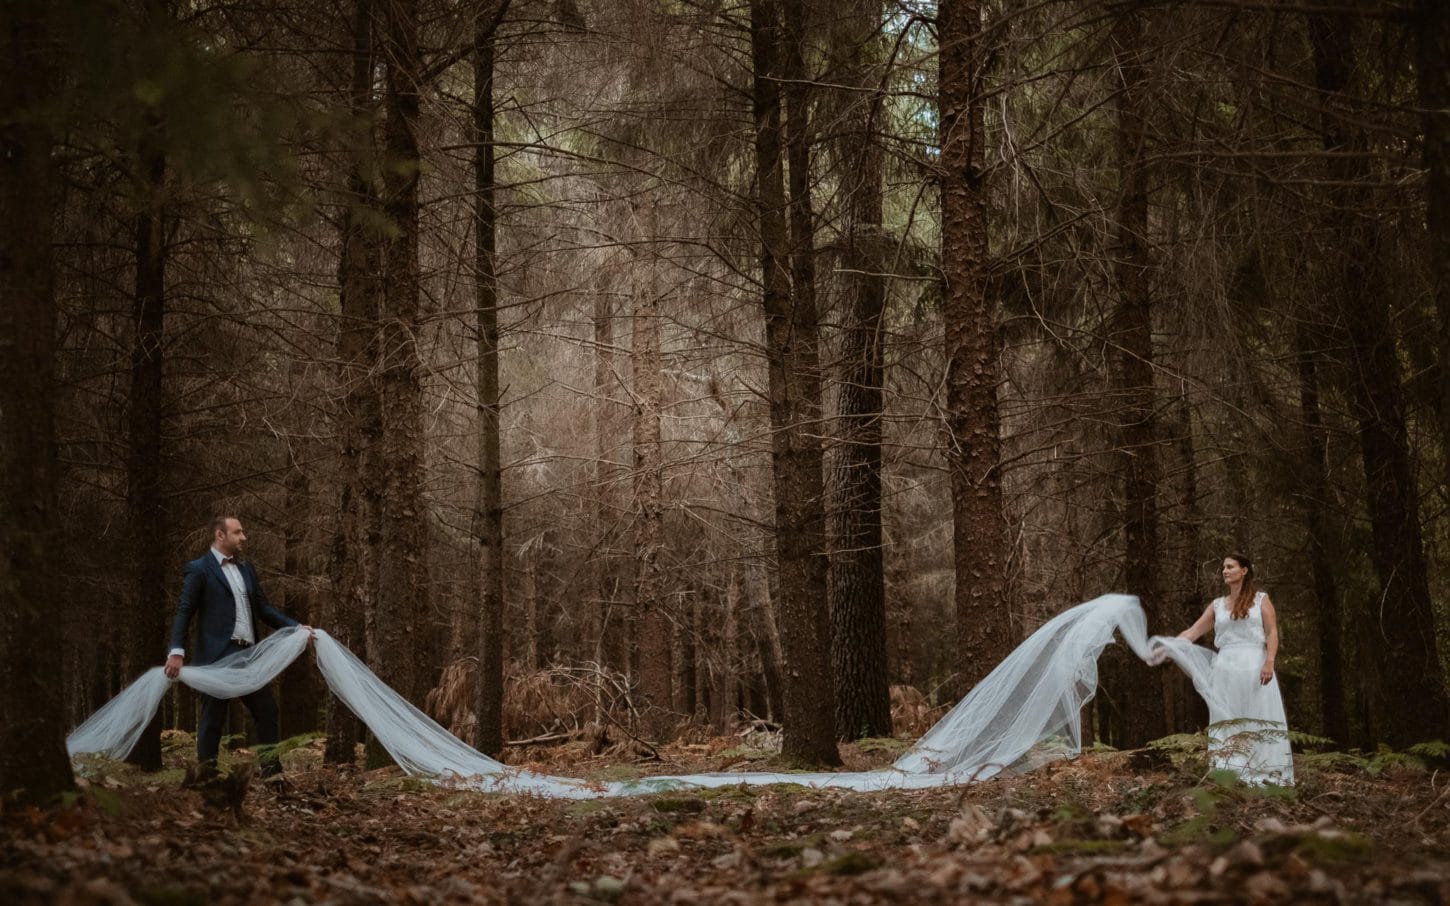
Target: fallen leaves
[1088, 831]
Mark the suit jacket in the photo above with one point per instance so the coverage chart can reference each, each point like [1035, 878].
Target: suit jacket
[207, 595]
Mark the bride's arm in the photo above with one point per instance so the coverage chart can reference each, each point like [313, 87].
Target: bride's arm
[1204, 624]
[1271, 639]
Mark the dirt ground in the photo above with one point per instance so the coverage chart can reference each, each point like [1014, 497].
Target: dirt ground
[1107, 827]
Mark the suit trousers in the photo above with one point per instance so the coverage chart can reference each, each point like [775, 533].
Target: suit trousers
[214, 713]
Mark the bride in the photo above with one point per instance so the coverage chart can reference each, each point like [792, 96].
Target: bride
[1247, 733]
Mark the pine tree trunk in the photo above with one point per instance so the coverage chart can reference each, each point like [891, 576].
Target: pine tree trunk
[602, 613]
[357, 537]
[488, 508]
[653, 639]
[858, 575]
[300, 688]
[33, 760]
[1432, 33]
[1315, 498]
[1409, 699]
[791, 349]
[403, 615]
[145, 506]
[1132, 343]
[973, 455]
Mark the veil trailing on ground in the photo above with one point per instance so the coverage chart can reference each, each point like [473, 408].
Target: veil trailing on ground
[1025, 712]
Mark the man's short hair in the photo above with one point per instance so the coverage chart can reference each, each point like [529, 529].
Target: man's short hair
[219, 524]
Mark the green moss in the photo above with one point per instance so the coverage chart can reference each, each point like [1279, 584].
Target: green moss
[586, 807]
[851, 863]
[728, 794]
[1083, 848]
[873, 744]
[670, 805]
[1347, 847]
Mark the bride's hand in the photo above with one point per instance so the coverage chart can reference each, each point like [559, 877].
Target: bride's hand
[1157, 655]
[1266, 673]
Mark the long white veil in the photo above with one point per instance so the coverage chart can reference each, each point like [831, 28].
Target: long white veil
[1025, 711]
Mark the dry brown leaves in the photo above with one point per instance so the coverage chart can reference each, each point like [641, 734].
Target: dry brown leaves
[1090, 830]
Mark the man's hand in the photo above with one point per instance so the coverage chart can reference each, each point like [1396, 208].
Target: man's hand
[173, 666]
[1266, 672]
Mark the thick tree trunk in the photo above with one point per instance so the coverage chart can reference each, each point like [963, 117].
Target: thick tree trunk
[488, 496]
[300, 688]
[653, 639]
[1315, 498]
[404, 615]
[145, 506]
[353, 566]
[796, 463]
[1432, 33]
[1409, 699]
[973, 454]
[33, 760]
[858, 574]
[1132, 344]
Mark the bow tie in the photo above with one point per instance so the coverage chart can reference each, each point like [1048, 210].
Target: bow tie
[226, 560]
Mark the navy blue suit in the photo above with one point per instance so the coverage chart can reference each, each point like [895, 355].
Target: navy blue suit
[206, 597]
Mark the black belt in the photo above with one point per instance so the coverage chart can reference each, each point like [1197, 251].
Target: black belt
[241, 643]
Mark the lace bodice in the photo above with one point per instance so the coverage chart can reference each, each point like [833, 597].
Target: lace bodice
[1228, 631]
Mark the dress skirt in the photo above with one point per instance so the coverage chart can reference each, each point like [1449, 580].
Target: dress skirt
[1248, 732]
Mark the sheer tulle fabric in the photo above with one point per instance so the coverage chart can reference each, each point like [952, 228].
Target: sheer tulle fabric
[1023, 713]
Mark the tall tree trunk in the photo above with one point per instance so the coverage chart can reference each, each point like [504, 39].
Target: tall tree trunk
[858, 573]
[602, 613]
[357, 536]
[33, 760]
[974, 444]
[653, 639]
[1432, 33]
[1132, 343]
[301, 689]
[488, 496]
[796, 464]
[1315, 499]
[1409, 697]
[145, 506]
[403, 617]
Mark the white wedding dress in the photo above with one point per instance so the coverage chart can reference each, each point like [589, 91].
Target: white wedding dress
[1248, 732]
[1026, 711]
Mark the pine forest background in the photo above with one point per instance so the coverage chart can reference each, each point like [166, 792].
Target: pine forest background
[692, 361]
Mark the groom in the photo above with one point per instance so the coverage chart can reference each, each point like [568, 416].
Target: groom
[222, 591]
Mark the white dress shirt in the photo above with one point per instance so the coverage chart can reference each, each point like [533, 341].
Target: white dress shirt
[233, 573]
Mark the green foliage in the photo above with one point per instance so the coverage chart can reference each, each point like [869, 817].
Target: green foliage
[290, 744]
[1435, 749]
[888, 744]
[1308, 740]
[671, 805]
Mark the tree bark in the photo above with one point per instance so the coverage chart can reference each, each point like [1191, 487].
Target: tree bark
[1315, 499]
[353, 566]
[145, 505]
[858, 574]
[33, 759]
[1432, 33]
[653, 639]
[1409, 700]
[1132, 344]
[808, 724]
[974, 445]
[404, 616]
[488, 496]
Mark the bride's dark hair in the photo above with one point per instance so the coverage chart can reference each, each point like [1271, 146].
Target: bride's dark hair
[1239, 606]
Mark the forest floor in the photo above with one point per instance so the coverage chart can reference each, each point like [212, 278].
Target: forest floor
[1113, 827]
